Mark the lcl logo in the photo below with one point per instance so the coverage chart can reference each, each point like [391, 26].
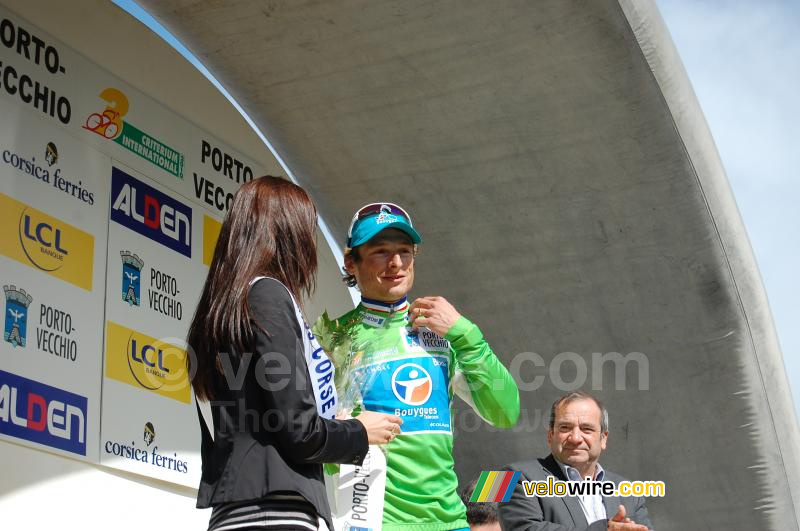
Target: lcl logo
[42, 242]
[149, 370]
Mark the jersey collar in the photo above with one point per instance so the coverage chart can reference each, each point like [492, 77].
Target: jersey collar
[398, 308]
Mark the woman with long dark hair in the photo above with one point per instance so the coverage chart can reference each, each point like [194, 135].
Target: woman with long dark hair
[265, 390]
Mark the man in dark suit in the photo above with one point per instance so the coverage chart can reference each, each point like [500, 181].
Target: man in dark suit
[577, 436]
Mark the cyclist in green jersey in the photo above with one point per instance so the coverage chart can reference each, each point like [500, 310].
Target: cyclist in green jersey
[417, 357]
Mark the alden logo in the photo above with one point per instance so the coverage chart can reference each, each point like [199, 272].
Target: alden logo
[46, 415]
[131, 278]
[151, 213]
[147, 363]
[16, 322]
[47, 243]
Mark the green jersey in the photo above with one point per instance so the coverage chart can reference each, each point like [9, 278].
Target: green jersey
[414, 374]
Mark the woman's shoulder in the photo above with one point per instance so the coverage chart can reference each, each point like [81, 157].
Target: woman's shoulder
[269, 297]
[268, 287]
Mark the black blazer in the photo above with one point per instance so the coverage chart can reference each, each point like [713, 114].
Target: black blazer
[272, 440]
[559, 514]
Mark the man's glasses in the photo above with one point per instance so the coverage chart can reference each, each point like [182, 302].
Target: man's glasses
[376, 209]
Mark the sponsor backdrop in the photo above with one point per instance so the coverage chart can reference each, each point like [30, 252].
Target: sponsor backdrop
[111, 205]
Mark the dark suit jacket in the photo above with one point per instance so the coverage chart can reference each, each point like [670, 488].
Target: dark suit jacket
[559, 514]
[269, 440]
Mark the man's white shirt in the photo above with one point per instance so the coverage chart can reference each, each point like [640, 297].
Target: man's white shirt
[592, 504]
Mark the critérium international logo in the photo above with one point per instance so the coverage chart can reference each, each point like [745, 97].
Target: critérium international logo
[109, 124]
[131, 278]
[412, 384]
[16, 321]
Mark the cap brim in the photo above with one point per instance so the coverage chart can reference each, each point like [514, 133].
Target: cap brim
[400, 225]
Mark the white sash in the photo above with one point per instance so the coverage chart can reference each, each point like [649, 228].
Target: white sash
[320, 367]
[356, 493]
[320, 371]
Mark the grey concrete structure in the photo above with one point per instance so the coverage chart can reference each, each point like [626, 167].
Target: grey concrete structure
[571, 200]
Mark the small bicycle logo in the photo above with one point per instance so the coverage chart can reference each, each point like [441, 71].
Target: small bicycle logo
[108, 124]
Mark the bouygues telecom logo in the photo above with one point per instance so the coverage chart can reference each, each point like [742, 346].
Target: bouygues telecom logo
[46, 243]
[412, 384]
[147, 363]
[109, 124]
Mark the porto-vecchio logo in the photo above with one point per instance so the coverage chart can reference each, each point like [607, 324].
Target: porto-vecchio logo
[46, 243]
[16, 321]
[147, 363]
[131, 278]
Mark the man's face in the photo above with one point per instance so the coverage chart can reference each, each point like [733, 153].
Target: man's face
[576, 439]
[385, 271]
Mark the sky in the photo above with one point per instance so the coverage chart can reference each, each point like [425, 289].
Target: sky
[742, 58]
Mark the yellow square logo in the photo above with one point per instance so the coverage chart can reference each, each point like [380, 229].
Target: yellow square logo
[147, 363]
[46, 243]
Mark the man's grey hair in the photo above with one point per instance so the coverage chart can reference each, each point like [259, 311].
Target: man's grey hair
[579, 395]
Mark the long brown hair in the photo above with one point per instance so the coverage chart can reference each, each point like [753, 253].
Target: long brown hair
[270, 230]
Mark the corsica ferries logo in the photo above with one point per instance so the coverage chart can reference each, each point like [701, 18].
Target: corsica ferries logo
[149, 456]
[47, 243]
[109, 124]
[151, 213]
[50, 154]
[29, 169]
[149, 433]
[145, 362]
[131, 278]
[16, 322]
